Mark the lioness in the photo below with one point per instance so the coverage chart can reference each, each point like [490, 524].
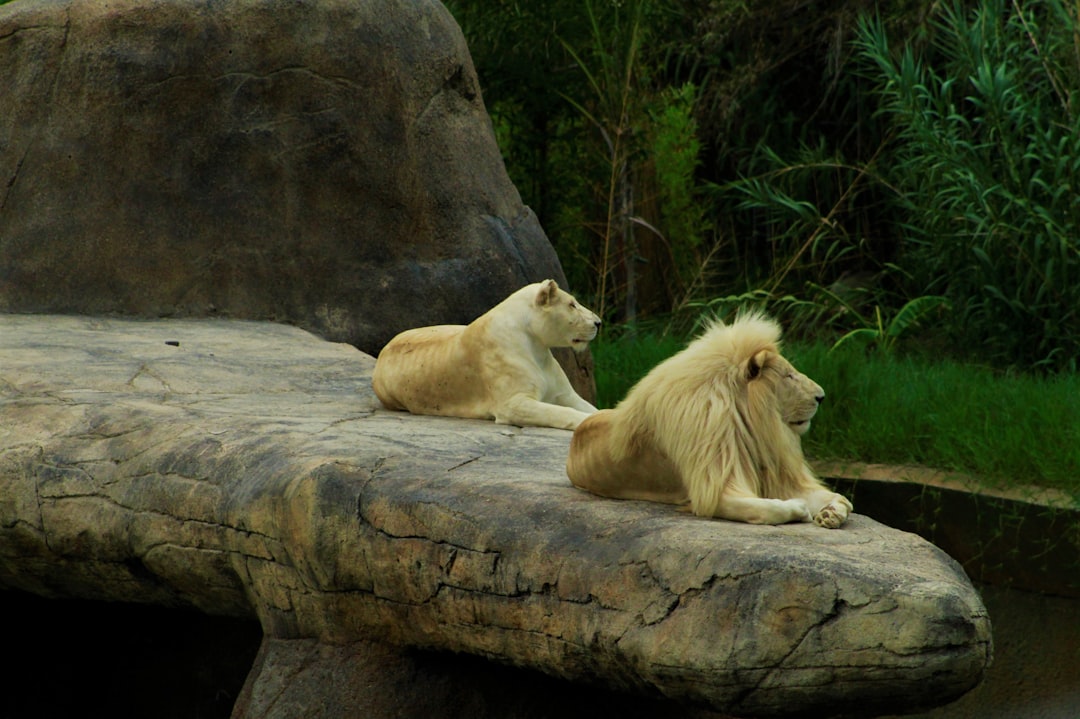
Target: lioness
[498, 367]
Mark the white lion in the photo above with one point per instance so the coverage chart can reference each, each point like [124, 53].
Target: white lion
[717, 425]
[498, 367]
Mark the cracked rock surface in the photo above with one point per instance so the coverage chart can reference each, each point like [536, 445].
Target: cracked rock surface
[246, 468]
[328, 163]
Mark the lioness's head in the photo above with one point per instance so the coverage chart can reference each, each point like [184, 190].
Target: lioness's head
[796, 396]
[559, 320]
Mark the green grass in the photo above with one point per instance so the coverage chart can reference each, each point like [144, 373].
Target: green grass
[622, 358]
[1006, 429]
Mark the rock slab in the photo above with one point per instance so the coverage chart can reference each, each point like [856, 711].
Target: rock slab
[245, 468]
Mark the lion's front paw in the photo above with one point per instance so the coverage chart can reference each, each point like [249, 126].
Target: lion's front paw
[833, 514]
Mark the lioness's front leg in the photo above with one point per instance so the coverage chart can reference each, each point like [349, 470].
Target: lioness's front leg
[525, 411]
[573, 400]
[562, 392]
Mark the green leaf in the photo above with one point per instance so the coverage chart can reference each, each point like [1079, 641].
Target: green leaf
[912, 312]
[862, 334]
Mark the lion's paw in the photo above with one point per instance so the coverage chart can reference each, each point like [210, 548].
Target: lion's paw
[833, 514]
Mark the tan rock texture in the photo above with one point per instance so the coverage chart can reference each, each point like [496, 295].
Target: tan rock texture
[329, 164]
[245, 468]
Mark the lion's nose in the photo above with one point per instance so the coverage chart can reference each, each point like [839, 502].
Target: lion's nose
[820, 398]
[597, 324]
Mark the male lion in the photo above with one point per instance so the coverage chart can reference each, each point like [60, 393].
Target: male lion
[498, 367]
[718, 425]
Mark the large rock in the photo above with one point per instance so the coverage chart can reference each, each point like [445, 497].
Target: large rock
[328, 164]
[246, 469]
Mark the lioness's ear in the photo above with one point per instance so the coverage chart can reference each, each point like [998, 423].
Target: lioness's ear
[549, 291]
[756, 363]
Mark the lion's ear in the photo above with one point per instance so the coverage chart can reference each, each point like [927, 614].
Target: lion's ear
[549, 291]
[756, 363]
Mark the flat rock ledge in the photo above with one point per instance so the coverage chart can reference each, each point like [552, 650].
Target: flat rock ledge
[246, 469]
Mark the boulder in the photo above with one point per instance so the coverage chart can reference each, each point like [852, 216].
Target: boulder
[246, 469]
[329, 164]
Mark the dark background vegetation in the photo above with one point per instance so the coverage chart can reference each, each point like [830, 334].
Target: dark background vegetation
[844, 163]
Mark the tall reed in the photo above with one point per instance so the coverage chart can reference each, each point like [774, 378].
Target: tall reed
[987, 159]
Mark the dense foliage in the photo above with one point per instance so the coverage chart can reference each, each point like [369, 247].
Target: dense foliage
[838, 161]
[987, 148]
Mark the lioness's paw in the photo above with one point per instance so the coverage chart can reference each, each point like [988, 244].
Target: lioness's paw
[833, 514]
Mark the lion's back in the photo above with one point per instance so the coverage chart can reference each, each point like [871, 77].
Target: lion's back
[424, 371]
[597, 463]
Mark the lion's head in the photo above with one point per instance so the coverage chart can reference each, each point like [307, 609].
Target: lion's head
[794, 396]
[557, 319]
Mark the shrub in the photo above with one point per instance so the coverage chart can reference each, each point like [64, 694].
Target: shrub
[987, 145]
